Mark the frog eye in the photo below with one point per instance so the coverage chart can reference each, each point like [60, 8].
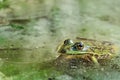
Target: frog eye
[80, 44]
[68, 41]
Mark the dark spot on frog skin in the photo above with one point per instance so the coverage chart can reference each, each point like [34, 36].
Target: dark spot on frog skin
[116, 66]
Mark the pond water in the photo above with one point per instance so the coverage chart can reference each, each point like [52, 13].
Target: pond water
[36, 28]
[26, 64]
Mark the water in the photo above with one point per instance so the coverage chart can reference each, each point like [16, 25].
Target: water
[50, 23]
[22, 65]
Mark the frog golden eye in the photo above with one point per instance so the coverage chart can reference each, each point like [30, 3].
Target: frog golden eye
[79, 44]
[68, 41]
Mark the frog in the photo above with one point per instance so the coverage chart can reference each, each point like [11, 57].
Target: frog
[88, 49]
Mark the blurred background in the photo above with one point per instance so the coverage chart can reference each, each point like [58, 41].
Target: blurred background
[34, 28]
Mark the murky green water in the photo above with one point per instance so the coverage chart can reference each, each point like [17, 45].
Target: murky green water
[17, 65]
[37, 27]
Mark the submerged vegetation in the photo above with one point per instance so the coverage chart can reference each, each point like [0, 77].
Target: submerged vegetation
[4, 4]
